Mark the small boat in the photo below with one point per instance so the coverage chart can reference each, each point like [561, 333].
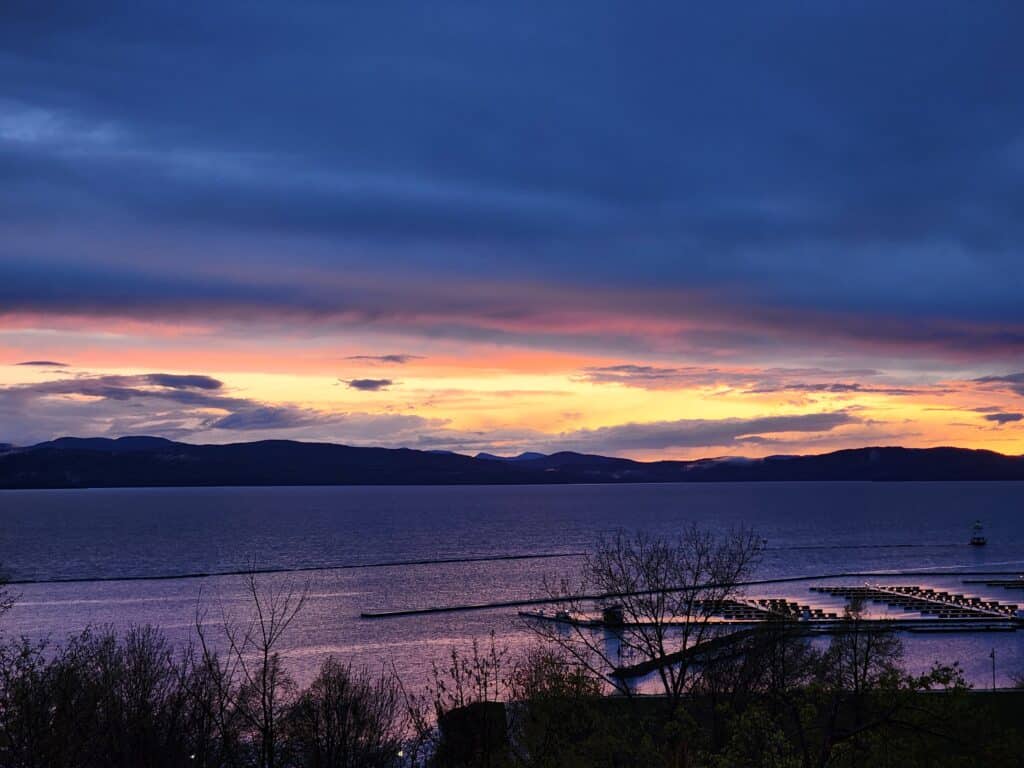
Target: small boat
[978, 536]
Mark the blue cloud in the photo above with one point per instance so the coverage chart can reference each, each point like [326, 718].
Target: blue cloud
[760, 155]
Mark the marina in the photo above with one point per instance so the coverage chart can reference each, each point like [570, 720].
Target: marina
[900, 607]
[374, 595]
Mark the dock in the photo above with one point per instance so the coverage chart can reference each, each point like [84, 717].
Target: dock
[936, 611]
[927, 602]
[736, 611]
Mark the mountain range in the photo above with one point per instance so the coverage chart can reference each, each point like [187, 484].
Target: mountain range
[70, 462]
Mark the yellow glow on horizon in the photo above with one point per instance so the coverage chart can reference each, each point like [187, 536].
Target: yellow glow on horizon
[548, 394]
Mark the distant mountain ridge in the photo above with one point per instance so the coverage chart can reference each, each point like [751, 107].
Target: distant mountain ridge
[70, 462]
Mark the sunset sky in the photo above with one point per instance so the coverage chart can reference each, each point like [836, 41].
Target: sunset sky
[635, 229]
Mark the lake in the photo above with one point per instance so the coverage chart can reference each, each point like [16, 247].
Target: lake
[811, 529]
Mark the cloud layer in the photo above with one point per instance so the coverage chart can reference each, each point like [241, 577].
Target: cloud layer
[714, 228]
[792, 196]
[690, 433]
[194, 406]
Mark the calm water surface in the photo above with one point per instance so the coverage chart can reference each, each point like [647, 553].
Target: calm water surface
[811, 529]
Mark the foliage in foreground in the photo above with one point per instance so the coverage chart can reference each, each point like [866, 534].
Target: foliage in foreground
[101, 700]
[775, 702]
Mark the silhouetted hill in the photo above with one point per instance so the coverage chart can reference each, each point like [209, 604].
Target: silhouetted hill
[528, 455]
[150, 461]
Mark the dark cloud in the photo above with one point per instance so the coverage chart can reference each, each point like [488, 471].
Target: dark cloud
[1011, 381]
[175, 381]
[699, 433]
[396, 359]
[648, 376]
[168, 405]
[44, 363]
[846, 388]
[662, 377]
[264, 417]
[756, 381]
[369, 385]
[1004, 418]
[824, 194]
[187, 390]
[180, 407]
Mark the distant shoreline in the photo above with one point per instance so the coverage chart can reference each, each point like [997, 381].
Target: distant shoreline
[552, 484]
[149, 462]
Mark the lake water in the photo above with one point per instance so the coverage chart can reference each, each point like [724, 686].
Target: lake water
[811, 529]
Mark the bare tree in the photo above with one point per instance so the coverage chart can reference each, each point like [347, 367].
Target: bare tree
[250, 686]
[863, 657]
[659, 595]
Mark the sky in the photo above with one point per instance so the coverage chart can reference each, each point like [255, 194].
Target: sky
[653, 230]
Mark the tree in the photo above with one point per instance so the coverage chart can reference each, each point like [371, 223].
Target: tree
[555, 714]
[660, 596]
[861, 708]
[760, 678]
[347, 719]
[460, 716]
[862, 657]
[100, 700]
[251, 689]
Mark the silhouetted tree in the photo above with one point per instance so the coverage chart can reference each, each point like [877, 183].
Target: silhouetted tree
[347, 719]
[664, 594]
[97, 701]
[459, 717]
[251, 689]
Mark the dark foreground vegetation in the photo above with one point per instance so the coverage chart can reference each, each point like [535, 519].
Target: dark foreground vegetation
[768, 698]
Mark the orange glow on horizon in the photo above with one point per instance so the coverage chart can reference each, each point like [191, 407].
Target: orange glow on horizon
[516, 398]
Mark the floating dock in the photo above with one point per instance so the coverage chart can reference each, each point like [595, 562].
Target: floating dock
[936, 611]
[736, 611]
[927, 602]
